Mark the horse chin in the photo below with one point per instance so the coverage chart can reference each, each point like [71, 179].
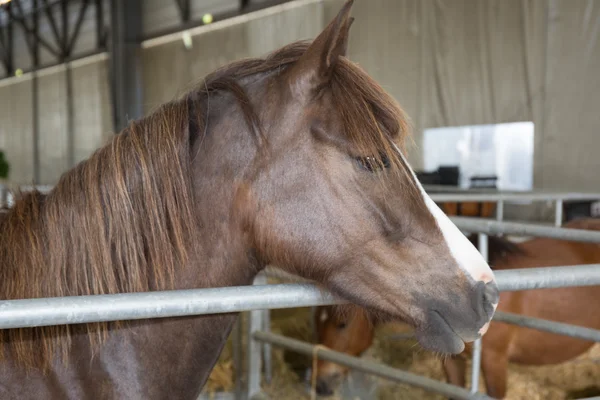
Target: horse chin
[439, 337]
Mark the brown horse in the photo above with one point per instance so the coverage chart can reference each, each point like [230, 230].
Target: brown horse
[353, 333]
[292, 160]
[481, 209]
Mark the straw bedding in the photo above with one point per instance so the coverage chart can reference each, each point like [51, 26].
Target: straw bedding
[575, 379]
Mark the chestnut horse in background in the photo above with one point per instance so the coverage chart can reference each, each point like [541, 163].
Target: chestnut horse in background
[294, 160]
[353, 333]
[480, 209]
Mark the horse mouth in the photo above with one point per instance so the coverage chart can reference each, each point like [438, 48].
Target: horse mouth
[438, 336]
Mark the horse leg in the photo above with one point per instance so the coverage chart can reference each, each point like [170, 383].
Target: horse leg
[494, 366]
[455, 370]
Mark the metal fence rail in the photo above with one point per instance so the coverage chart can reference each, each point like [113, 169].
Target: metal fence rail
[176, 303]
[511, 280]
[159, 304]
[493, 227]
[559, 328]
[514, 196]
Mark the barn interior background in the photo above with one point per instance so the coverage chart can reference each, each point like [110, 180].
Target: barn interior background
[74, 72]
[449, 63]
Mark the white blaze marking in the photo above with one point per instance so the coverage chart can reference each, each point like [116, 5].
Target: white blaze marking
[484, 329]
[464, 252]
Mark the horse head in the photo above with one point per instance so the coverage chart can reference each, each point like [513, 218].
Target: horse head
[334, 200]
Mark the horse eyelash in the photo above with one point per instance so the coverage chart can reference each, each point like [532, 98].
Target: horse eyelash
[372, 164]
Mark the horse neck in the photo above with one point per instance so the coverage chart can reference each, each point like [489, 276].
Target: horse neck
[220, 259]
[222, 158]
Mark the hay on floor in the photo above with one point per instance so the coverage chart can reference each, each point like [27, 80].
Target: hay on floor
[577, 378]
[570, 380]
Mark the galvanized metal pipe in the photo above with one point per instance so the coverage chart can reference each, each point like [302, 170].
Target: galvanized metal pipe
[476, 366]
[558, 213]
[174, 303]
[548, 277]
[236, 338]
[267, 353]
[254, 347]
[456, 189]
[508, 197]
[367, 366]
[483, 242]
[492, 227]
[500, 211]
[559, 328]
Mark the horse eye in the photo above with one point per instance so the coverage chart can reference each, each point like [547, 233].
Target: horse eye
[341, 325]
[373, 164]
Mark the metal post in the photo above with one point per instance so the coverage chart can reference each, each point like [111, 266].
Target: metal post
[35, 98]
[500, 210]
[267, 351]
[476, 364]
[3, 195]
[8, 36]
[70, 117]
[483, 245]
[254, 347]
[237, 356]
[10, 199]
[125, 61]
[35, 119]
[558, 213]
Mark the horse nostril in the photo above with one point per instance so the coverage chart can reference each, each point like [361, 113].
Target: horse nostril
[491, 296]
[485, 299]
[323, 388]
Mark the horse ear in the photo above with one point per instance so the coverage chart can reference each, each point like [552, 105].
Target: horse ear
[315, 66]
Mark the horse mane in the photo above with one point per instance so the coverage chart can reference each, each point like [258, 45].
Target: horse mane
[119, 222]
[123, 220]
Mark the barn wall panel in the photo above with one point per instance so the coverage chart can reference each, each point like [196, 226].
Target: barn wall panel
[447, 62]
[16, 130]
[92, 113]
[170, 69]
[53, 138]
